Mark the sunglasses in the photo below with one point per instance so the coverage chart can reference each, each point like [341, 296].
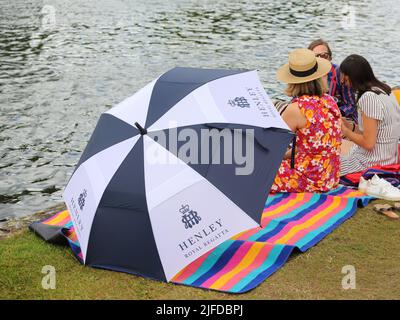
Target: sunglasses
[323, 55]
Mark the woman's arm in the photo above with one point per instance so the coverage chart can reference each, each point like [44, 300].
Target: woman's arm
[367, 138]
[295, 121]
[288, 154]
[294, 118]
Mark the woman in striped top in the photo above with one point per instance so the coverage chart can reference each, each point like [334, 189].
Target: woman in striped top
[377, 135]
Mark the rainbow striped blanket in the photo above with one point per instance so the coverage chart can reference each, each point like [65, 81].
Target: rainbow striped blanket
[289, 221]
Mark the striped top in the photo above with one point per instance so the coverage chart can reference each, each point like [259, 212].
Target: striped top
[385, 109]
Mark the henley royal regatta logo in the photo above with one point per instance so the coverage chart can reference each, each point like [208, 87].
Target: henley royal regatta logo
[189, 217]
[81, 199]
[239, 102]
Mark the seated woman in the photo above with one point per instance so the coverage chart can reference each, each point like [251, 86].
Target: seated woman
[343, 93]
[376, 137]
[315, 118]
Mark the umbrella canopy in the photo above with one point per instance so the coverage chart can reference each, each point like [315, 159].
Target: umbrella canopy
[151, 192]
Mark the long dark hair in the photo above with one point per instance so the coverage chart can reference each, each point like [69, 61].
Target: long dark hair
[361, 76]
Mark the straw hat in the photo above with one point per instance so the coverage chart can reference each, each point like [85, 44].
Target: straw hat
[303, 66]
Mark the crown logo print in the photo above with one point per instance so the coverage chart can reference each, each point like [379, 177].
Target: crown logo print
[184, 209]
[81, 199]
[239, 102]
[189, 217]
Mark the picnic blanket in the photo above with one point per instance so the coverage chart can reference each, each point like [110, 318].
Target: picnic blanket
[390, 173]
[290, 221]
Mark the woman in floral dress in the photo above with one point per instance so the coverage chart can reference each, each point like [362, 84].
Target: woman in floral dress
[313, 165]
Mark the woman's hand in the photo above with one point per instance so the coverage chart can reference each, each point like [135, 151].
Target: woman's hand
[347, 123]
[365, 139]
[345, 128]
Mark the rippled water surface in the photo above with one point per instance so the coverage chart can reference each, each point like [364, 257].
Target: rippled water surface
[63, 63]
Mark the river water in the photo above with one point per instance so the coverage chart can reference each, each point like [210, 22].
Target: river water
[63, 63]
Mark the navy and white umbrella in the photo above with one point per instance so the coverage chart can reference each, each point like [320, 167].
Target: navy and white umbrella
[149, 195]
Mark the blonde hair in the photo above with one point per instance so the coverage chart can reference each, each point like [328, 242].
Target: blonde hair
[316, 87]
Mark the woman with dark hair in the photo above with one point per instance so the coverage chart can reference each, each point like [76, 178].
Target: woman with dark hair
[377, 135]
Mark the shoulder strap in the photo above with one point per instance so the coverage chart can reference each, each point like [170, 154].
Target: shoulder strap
[283, 109]
[293, 155]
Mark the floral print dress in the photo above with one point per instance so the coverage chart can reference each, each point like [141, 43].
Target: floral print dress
[317, 159]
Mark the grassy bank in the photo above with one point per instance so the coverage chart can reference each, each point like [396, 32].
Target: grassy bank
[370, 242]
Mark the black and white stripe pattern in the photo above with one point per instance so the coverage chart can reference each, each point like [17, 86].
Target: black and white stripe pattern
[140, 206]
[385, 109]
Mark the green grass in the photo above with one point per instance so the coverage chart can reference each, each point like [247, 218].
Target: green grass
[368, 241]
